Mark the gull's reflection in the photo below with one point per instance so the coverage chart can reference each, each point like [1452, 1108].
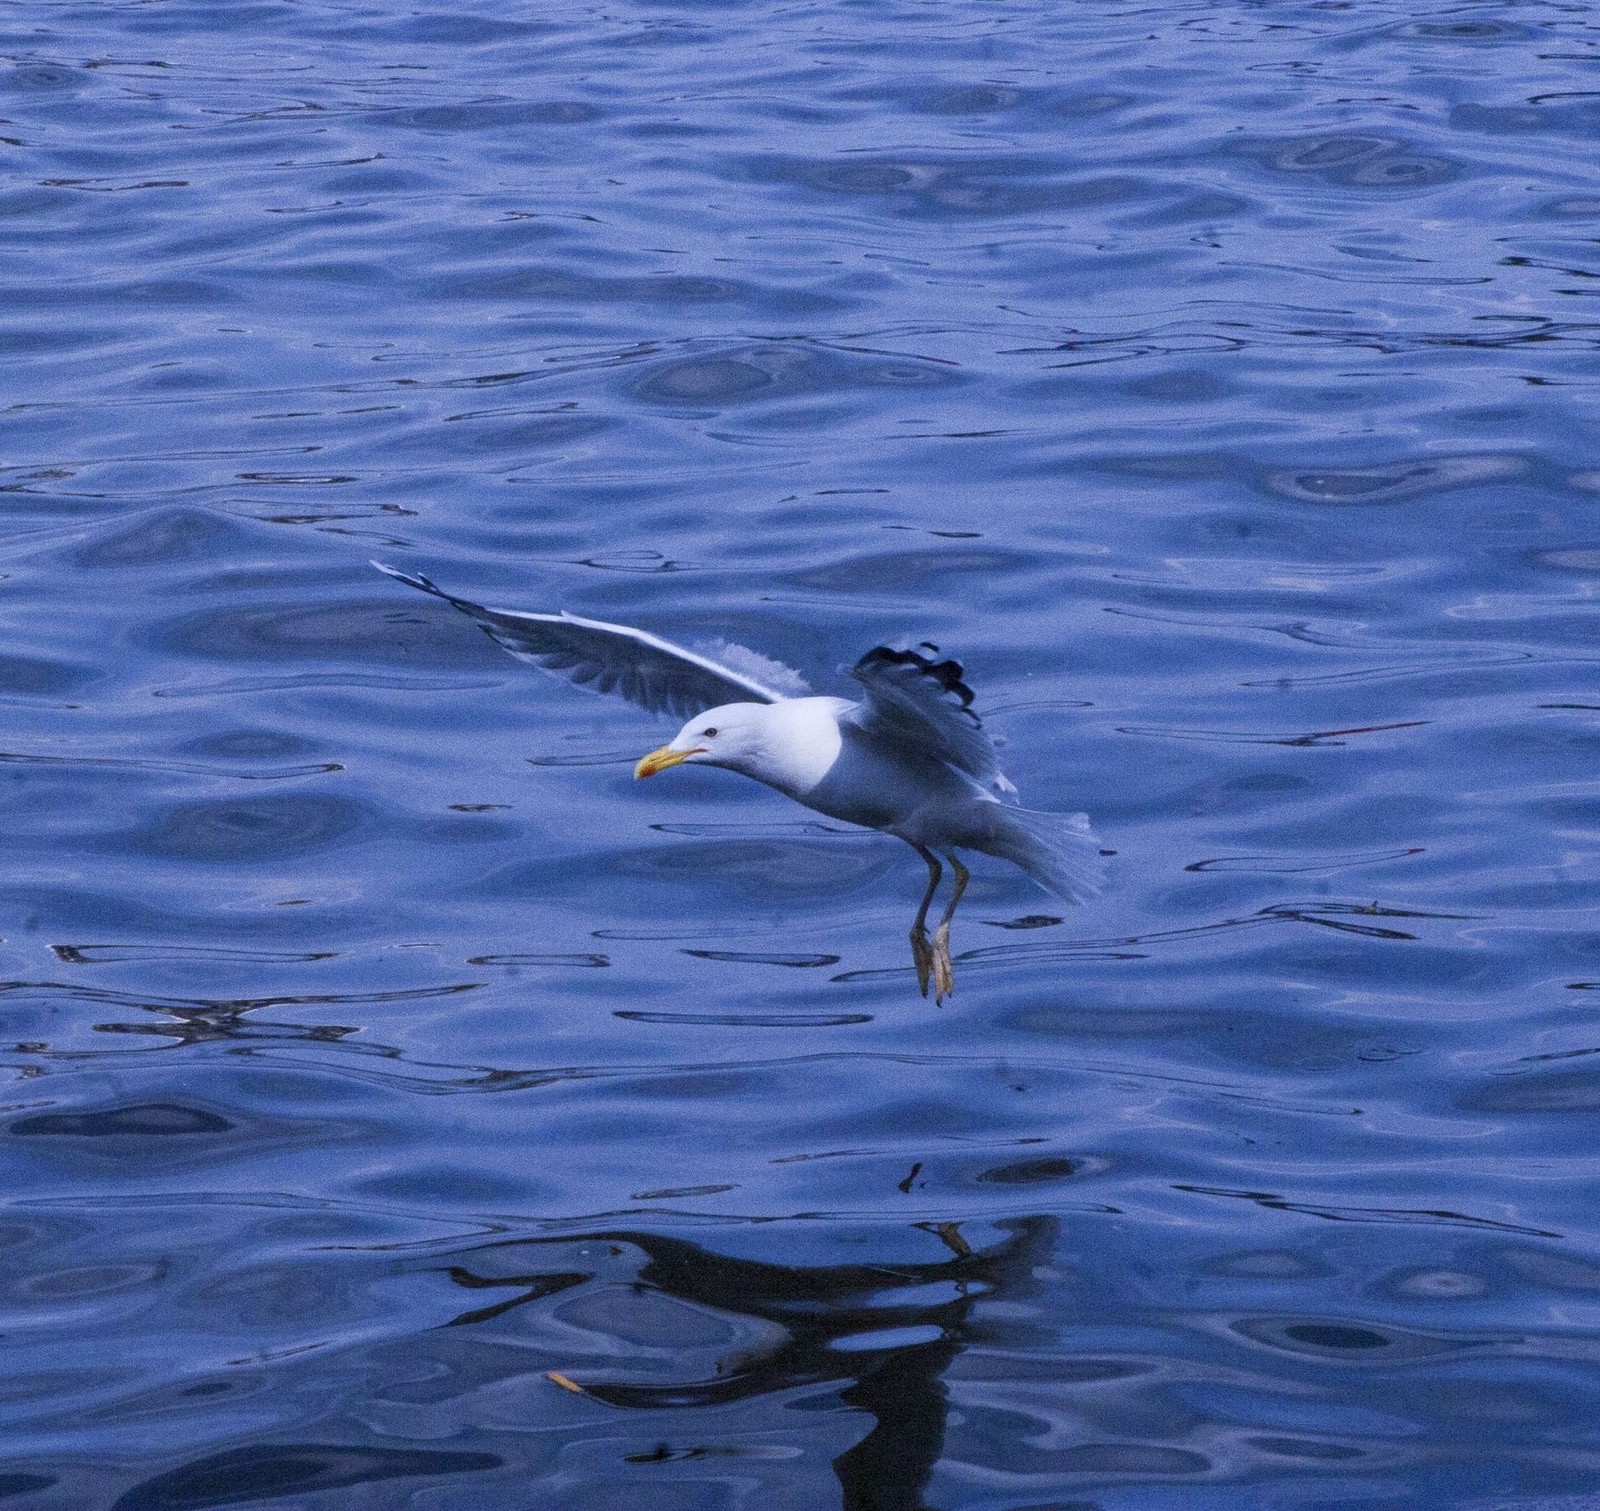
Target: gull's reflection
[884, 1333]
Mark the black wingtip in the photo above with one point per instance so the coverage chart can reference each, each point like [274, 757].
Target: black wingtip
[948, 674]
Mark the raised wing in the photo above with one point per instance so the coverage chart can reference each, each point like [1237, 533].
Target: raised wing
[917, 702]
[613, 658]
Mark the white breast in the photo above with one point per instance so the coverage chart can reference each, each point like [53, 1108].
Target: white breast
[801, 743]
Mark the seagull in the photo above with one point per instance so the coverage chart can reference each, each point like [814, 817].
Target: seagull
[908, 757]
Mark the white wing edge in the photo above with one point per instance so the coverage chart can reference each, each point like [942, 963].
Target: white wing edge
[643, 637]
[756, 689]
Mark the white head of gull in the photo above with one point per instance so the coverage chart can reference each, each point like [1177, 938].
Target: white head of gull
[908, 757]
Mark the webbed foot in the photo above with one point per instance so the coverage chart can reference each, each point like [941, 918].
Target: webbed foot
[922, 954]
[944, 979]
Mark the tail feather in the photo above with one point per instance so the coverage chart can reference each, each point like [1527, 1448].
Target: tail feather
[1058, 850]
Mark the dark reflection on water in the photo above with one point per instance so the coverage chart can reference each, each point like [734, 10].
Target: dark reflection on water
[877, 1338]
[406, 1108]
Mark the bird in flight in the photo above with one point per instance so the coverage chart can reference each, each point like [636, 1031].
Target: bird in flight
[908, 756]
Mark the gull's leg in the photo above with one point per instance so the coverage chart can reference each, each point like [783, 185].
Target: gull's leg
[944, 980]
[921, 951]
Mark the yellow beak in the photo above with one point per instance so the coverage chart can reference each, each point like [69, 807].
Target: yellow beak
[659, 760]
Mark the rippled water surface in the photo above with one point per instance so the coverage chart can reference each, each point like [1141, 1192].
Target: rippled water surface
[1216, 380]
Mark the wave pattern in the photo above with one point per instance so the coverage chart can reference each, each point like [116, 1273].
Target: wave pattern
[406, 1107]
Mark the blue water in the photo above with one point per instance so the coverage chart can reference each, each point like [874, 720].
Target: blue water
[1216, 381]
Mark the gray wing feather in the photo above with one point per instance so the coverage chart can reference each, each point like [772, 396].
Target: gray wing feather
[614, 658]
[915, 701]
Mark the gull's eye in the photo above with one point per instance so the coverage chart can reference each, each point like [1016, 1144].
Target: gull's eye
[707, 733]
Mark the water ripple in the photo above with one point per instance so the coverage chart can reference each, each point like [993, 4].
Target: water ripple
[404, 1104]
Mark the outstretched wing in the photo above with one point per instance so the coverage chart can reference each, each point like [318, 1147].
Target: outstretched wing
[613, 658]
[917, 702]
